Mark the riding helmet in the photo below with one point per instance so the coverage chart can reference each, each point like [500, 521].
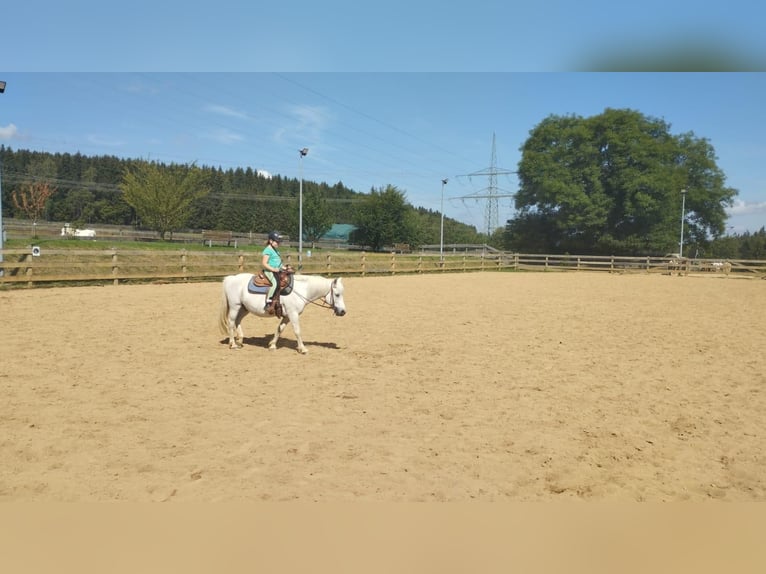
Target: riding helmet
[274, 236]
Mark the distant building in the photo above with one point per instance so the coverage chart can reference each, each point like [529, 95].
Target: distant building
[339, 232]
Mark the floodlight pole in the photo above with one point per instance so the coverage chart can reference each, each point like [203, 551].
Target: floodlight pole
[302, 153]
[441, 227]
[2, 229]
[683, 216]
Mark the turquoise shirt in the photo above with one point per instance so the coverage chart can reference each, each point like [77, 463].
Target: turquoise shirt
[275, 260]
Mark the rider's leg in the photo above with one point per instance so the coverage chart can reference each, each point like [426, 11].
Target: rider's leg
[274, 283]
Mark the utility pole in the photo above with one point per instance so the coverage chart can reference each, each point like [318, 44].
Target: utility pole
[441, 227]
[491, 193]
[683, 216]
[302, 153]
[2, 231]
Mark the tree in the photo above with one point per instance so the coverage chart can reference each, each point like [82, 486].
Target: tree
[317, 216]
[31, 200]
[385, 218]
[612, 184]
[162, 195]
[754, 245]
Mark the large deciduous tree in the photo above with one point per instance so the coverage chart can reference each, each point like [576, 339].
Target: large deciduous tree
[163, 195]
[612, 184]
[385, 218]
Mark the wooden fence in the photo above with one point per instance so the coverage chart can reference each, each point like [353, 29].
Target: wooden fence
[31, 267]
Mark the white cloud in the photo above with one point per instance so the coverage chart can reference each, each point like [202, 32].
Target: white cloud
[264, 174]
[8, 132]
[746, 207]
[225, 136]
[306, 129]
[104, 141]
[226, 111]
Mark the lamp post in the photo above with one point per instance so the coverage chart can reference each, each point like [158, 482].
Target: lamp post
[683, 216]
[441, 228]
[2, 232]
[302, 153]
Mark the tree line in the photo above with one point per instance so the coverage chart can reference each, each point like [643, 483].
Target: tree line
[610, 184]
[165, 198]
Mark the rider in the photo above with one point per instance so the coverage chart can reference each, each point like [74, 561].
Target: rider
[272, 265]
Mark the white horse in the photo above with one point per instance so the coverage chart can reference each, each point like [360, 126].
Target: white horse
[237, 302]
[67, 231]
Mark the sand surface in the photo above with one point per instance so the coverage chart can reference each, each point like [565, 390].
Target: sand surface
[486, 386]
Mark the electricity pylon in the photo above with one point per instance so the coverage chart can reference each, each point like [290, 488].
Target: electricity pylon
[491, 193]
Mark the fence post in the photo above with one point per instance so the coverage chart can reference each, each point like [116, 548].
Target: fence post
[115, 268]
[183, 264]
[28, 260]
[364, 263]
[329, 262]
[420, 264]
[241, 262]
[393, 263]
[546, 263]
[611, 264]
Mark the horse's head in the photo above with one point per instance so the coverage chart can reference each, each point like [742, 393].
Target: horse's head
[334, 297]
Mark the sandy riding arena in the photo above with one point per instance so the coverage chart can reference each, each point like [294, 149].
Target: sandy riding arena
[460, 387]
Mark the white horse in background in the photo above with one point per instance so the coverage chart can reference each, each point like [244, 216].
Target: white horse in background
[67, 231]
[237, 301]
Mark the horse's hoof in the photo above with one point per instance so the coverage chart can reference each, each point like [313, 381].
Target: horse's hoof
[303, 351]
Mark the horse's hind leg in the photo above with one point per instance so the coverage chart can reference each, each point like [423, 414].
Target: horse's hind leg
[235, 326]
[239, 335]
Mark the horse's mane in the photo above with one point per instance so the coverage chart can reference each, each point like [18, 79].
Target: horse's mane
[301, 277]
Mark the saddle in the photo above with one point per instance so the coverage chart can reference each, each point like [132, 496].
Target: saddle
[260, 285]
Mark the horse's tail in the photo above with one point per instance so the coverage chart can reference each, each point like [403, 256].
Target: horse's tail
[223, 313]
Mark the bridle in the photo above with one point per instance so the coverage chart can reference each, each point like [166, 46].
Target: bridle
[320, 301]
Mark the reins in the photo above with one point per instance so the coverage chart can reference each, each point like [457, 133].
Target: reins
[321, 304]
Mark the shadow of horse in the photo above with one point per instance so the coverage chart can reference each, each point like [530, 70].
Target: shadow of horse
[264, 342]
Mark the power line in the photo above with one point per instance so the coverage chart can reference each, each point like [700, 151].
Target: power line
[113, 188]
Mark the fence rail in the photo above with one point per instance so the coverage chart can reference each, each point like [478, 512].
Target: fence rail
[50, 266]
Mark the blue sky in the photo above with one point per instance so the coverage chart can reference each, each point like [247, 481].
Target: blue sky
[351, 35]
[373, 129]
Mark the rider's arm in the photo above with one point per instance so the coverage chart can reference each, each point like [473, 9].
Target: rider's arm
[266, 266]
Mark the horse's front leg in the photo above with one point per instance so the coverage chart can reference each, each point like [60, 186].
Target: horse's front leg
[297, 330]
[281, 327]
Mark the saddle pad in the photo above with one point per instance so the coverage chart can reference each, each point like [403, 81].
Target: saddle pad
[256, 286]
[256, 289]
